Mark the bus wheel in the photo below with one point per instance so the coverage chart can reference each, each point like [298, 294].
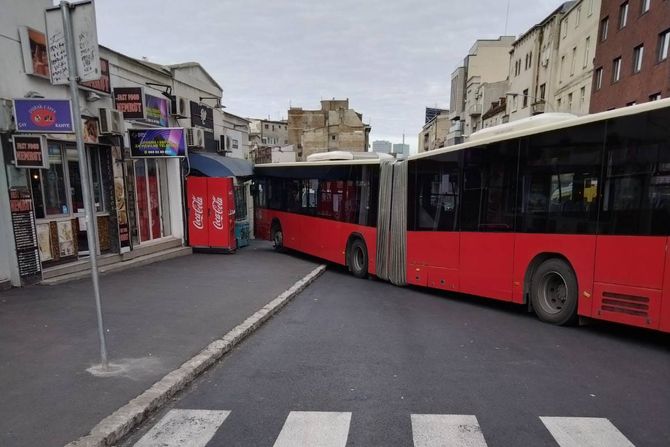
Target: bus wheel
[358, 259]
[553, 292]
[277, 237]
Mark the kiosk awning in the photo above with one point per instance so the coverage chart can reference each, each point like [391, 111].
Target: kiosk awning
[213, 165]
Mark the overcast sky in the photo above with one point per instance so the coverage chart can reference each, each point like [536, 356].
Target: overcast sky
[391, 58]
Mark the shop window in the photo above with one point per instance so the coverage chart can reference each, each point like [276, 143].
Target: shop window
[49, 186]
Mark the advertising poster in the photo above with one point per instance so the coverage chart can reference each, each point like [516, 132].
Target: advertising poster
[130, 102]
[43, 115]
[34, 49]
[91, 132]
[163, 143]
[30, 151]
[156, 110]
[202, 116]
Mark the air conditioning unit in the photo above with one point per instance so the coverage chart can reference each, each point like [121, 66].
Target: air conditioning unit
[111, 122]
[225, 144]
[195, 137]
[179, 106]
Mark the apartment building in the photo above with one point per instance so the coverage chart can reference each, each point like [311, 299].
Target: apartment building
[434, 133]
[576, 52]
[632, 52]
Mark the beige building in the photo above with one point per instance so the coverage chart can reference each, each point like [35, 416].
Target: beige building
[534, 67]
[495, 114]
[266, 133]
[579, 30]
[335, 127]
[434, 133]
[486, 64]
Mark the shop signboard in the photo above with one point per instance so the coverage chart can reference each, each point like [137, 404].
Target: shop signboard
[38, 115]
[30, 151]
[34, 50]
[102, 85]
[202, 116]
[164, 142]
[84, 30]
[156, 110]
[129, 101]
[25, 235]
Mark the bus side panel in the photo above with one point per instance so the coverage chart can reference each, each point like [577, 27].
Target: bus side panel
[487, 264]
[579, 250]
[629, 279]
[433, 259]
[262, 221]
[665, 303]
[323, 238]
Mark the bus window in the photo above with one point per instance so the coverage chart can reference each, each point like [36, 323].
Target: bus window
[636, 198]
[433, 199]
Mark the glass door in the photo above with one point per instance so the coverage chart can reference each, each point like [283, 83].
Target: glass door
[149, 193]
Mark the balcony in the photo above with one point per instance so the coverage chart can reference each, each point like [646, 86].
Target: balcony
[475, 110]
[537, 107]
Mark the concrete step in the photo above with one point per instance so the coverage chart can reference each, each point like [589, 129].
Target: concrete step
[78, 266]
[151, 247]
[121, 265]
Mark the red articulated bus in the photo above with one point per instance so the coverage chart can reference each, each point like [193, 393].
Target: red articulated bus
[569, 216]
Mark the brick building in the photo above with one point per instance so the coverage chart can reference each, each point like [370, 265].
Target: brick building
[632, 63]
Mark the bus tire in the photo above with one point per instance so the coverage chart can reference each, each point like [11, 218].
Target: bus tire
[358, 259]
[277, 237]
[553, 292]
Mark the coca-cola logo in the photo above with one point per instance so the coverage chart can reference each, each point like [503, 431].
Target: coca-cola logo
[197, 206]
[217, 207]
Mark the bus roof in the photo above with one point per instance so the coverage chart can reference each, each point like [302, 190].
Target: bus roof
[368, 161]
[544, 126]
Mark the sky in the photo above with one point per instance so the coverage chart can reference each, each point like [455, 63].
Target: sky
[391, 58]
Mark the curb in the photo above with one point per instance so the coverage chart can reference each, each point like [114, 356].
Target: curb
[118, 424]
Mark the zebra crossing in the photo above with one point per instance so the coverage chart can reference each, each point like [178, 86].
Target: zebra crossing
[195, 428]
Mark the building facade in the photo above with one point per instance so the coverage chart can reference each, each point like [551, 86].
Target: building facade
[632, 52]
[139, 202]
[401, 149]
[576, 52]
[534, 66]
[434, 134]
[335, 127]
[382, 146]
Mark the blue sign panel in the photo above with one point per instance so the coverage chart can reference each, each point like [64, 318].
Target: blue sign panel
[43, 115]
[159, 142]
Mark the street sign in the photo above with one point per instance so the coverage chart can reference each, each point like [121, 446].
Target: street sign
[87, 53]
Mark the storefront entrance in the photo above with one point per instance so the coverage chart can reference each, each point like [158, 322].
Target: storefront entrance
[151, 199]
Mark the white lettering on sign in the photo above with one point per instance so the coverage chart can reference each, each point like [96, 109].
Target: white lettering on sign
[217, 206]
[198, 212]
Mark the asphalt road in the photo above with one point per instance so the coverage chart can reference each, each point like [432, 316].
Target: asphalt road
[374, 359]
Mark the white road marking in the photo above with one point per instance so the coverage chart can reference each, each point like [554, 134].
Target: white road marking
[184, 428]
[446, 430]
[585, 432]
[314, 429]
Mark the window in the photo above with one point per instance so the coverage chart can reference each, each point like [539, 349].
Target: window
[636, 195]
[489, 190]
[573, 61]
[562, 74]
[569, 102]
[663, 45]
[587, 50]
[646, 4]
[525, 98]
[558, 184]
[543, 91]
[582, 98]
[616, 69]
[266, 126]
[564, 27]
[530, 59]
[434, 185]
[598, 78]
[590, 9]
[604, 27]
[332, 137]
[559, 102]
[623, 15]
[638, 54]
[578, 16]
[655, 97]
[632, 103]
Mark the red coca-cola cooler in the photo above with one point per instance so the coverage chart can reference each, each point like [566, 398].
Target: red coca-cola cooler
[211, 213]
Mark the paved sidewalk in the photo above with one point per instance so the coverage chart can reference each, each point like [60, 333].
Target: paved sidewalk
[156, 317]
